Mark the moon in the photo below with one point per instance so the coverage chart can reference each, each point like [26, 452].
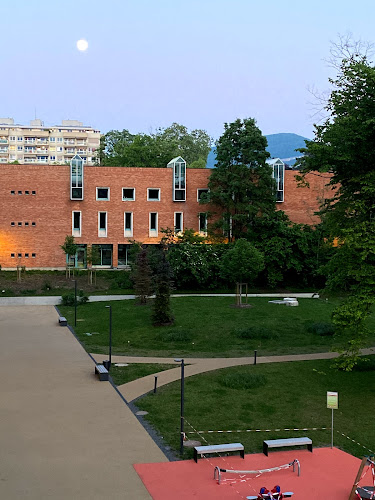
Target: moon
[82, 45]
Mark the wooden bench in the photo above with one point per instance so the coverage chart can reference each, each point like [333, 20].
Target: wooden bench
[63, 321]
[102, 372]
[279, 443]
[218, 448]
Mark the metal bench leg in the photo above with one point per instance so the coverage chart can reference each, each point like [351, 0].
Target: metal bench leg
[309, 447]
[265, 449]
[195, 456]
[242, 453]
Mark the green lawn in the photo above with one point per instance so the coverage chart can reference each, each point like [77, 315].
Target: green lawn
[293, 395]
[206, 327]
[123, 374]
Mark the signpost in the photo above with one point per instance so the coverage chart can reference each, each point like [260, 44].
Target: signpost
[333, 404]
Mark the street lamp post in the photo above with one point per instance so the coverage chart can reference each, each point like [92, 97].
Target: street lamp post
[108, 363]
[181, 361]
[75, 302]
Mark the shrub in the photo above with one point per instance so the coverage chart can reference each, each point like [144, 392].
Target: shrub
[68, 298]
[175, 336]
[243, 380]
[46, 286]
[256, 332]
[122, 280]
[321, 328]
[28, 292]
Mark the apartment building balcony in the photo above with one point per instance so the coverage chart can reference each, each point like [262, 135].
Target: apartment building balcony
[29, 160]
[42, 140]
[81, 151]
[42, 150]
[29, 151]
[3, 150]
[69, 141]
[30, 140]
[3, 141]
[81, 142]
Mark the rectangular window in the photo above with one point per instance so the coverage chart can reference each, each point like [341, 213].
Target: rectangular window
[52, 139]
[12, 192]
[128, 223]
[102, 193]
[203, 223]
[153, 194]
[20, 139]
[33, 255]
[178, 222]
[27, 192]
[26, 255]
[26, 223]
[102, 224]
[128, 194]
[123, 255]
[12, 223]
[104, 255]
[200, 192]
[76, 224]
[153, 232]
[12, 255]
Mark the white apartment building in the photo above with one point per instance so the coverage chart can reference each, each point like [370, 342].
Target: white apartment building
[36, 143]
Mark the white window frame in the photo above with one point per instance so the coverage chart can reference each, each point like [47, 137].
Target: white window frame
[153, 233]
[201, 189]
[128, 232]
[203, 232]
[77, 232]
[102, 233]
[153, 199]
[182, 223]
[128, 199]
[103, 199]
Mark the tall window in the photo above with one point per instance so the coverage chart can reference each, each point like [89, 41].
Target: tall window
[178, 222]
[76, 224]
[76, 178]
[200, 192]
[153, 231]
[278, 169]
[128, 223]
[203, 223]
[102, 224]
[179, 178]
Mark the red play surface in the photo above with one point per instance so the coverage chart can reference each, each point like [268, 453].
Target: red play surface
[325, 473]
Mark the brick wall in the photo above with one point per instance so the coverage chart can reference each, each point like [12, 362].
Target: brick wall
[50, 208]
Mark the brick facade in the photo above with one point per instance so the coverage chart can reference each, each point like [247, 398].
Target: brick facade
[36, 210]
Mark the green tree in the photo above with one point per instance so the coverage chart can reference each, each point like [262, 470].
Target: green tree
[162, 313]
[242, 263]
[344, 145]
[123, 149]
[142, 278]
[241, 186]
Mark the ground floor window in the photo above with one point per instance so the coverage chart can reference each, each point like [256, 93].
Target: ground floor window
[104, 255]
[123, 255]
[79, 259]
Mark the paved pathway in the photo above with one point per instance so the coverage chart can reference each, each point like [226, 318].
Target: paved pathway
[56, 300]
[64, 434]
[136, 388]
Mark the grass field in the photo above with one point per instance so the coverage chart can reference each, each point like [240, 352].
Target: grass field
[206, 327]
[269, 396]
[123, 374]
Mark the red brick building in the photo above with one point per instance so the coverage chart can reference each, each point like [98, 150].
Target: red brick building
[109, 206]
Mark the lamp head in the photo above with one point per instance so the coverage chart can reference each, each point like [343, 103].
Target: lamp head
[179, 360]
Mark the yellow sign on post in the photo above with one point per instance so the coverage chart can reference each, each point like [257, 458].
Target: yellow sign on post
[332, 400]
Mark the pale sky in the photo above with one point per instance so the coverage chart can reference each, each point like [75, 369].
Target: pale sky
[153, 62]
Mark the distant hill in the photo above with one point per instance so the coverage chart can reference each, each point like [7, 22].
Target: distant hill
[281, 146]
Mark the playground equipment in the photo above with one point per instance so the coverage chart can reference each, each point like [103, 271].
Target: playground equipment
[364, 492]
[219, 470]
[274, 494]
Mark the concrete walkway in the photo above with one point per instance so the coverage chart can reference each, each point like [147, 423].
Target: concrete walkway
[55, 300]
[136, 388]
[64, 434]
